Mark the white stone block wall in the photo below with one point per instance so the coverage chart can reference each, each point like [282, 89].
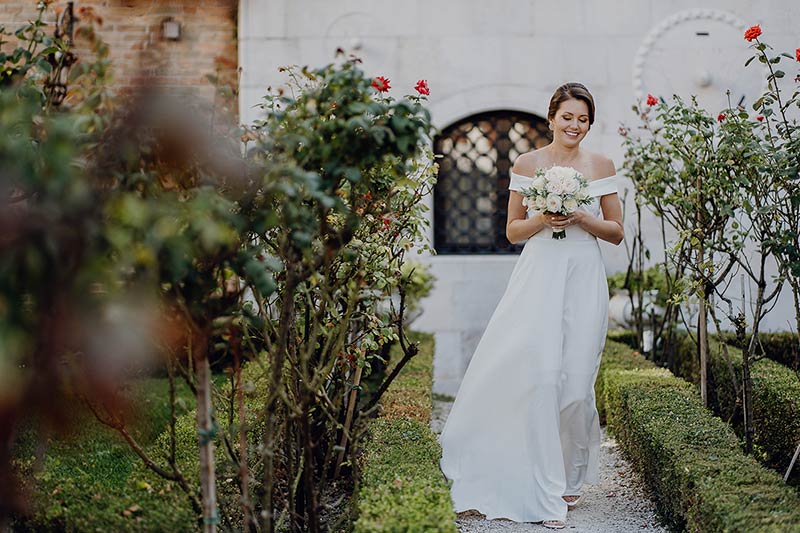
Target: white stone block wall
[479, 56]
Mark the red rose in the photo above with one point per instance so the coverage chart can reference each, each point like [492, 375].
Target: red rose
[651, 100]
[797, 54]
[381, 84]
[422, 87]
[721, 117]
[760, 118]
[752, 33]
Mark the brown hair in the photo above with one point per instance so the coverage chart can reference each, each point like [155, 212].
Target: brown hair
[570, 91]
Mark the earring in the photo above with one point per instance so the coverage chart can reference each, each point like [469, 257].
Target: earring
[550, 126]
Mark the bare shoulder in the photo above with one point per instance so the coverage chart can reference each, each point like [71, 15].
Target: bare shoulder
[602, 166]
[526, 164]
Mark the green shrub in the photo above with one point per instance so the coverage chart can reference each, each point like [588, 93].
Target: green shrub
[776, 401]
[401, 486]
[625, 336]
[781, 347]
[776, 405]
[616, 356]
[92, 481]
[85, 481]
[692, 461]
[410, 394]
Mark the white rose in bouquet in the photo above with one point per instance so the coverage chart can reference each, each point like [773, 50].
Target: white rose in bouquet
[570, 205]
[554, 203]
[555, 186]
[570, 184]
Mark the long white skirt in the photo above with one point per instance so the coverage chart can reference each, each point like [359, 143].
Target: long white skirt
[524, 429]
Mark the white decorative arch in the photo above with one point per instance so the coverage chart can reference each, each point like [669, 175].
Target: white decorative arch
[658, 31]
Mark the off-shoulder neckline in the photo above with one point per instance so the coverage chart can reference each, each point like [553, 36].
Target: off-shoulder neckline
[590, 181]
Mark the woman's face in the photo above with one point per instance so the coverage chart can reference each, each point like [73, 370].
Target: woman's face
[571, 122]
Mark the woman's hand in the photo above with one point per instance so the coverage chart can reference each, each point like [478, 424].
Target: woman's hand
[561, 222]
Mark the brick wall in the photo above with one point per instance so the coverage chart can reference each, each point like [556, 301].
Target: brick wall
[132, 29]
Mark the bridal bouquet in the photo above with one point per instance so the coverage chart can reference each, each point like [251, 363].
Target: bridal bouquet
[557, 190]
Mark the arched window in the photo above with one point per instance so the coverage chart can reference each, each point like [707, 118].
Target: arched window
[470, 200]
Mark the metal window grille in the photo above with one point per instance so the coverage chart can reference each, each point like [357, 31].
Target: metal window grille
[470, 199]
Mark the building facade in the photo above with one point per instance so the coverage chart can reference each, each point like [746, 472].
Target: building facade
[492, 68]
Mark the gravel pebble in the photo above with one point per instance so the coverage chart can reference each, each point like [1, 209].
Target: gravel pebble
[617, 504]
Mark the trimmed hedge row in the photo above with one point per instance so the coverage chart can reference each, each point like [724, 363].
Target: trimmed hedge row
[781, 347]
[776, 406]
[402, 488]
[692, 460]
[776, 402]
[624, 336]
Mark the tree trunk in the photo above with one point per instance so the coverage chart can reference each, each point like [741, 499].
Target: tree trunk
[796, 296]
[702, 322]
[286, 327]
[351, 406]
[205, 430]
[747, 380]
[702, 332]
[312, 524]
[244, 467]
[747, 396]
[702, 340]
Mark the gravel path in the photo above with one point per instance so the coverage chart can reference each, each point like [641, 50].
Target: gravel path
[617, 504]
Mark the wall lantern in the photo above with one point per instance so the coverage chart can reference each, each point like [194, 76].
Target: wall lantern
[171, 29]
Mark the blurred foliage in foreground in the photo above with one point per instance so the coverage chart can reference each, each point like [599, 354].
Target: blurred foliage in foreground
[133, 235]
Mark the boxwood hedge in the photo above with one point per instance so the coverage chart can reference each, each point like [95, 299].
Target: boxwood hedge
[776, 402]
[693, 462]
[401, 487]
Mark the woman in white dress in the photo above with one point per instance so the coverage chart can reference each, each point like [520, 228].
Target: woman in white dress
[523, 434]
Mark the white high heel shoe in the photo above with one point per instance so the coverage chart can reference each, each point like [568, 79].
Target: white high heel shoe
[574, 502]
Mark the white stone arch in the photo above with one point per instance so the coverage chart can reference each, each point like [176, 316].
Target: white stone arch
[474, 100]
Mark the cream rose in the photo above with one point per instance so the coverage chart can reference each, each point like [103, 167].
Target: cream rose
[554, 186]
[553, 203]
[570, 184]
[571, 205]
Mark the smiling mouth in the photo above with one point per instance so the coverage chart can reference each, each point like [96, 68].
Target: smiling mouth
[571, 134]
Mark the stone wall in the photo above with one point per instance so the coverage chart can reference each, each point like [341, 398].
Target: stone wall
[510, 54]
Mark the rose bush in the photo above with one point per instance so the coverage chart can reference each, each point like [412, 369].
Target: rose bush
[290, 262]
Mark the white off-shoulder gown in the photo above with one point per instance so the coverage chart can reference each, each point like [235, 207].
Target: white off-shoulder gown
[524, 429]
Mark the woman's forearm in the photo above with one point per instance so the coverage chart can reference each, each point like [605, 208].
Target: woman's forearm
[607, 230]
[521, 229]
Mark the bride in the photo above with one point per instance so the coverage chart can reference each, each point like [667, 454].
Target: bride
[523, 434]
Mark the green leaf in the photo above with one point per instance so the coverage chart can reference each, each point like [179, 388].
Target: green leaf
[352, 174]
